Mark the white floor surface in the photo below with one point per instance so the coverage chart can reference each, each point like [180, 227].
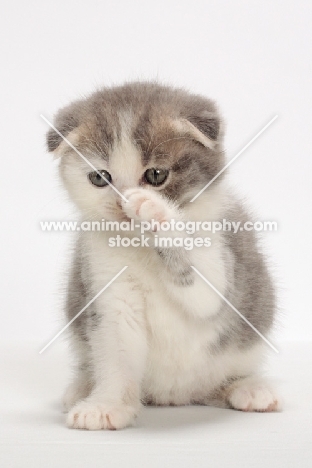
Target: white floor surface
[33, 433]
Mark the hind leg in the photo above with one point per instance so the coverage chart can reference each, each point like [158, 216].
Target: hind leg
[246, 394]
[252, 394]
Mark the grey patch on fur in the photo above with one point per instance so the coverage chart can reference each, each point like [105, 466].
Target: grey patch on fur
[218, 397]
[84, 367]
[77, 296]
[186, 278]
[191, 164]
[250, 291]
[95, 320]
[207, 123]
[176, 261]
[66, 120]
[98, 121]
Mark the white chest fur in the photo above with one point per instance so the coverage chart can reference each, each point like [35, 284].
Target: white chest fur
[179, 367]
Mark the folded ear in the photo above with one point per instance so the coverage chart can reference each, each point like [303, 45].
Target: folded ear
[208, 123]
[66, 120]
[204, 127]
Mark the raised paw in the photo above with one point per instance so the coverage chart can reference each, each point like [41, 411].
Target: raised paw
[96, 416]
[145, 205]
[253, 396]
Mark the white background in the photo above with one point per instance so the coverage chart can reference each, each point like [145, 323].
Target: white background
[252, 57]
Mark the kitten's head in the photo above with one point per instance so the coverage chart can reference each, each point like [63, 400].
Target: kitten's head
[139, 134]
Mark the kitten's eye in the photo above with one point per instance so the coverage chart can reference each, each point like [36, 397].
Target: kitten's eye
[156, 177]
[96, 179]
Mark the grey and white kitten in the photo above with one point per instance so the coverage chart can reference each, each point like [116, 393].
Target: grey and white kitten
[158, 334]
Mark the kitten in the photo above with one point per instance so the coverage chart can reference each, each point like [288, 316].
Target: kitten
[159, 334]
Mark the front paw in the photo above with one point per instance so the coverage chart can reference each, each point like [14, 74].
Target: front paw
[145, 205]
[94, 416]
